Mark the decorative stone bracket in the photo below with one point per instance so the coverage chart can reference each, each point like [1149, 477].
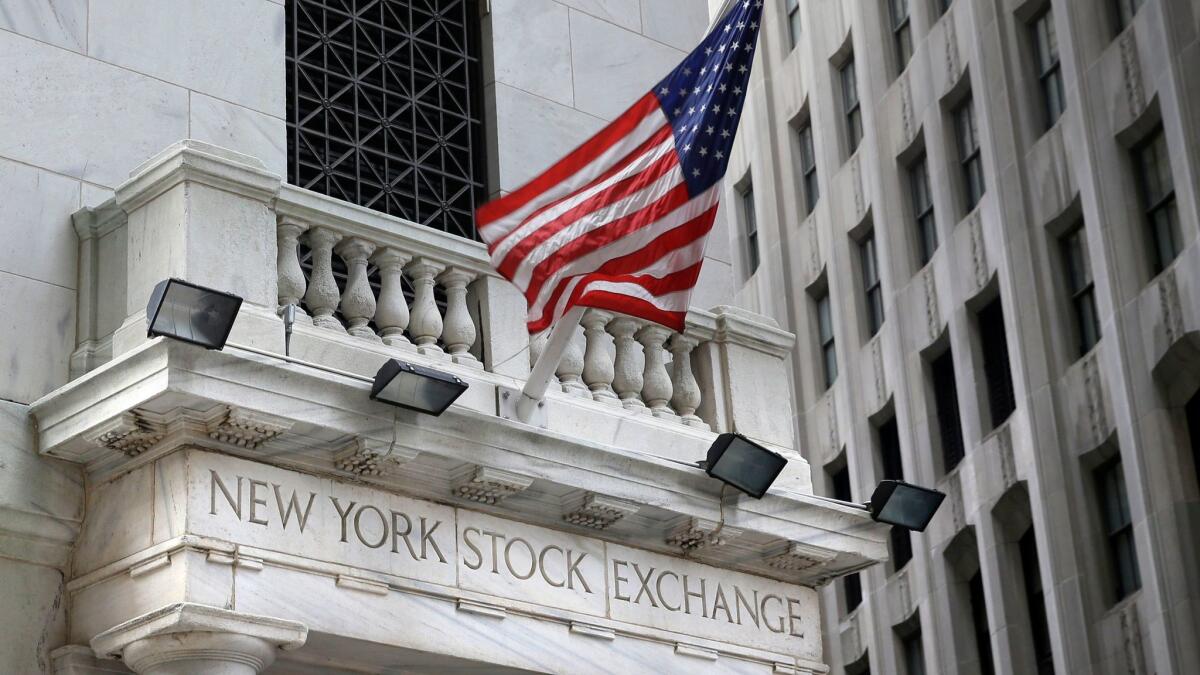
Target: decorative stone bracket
[700, 533]
[187, 637]
[369, 457]
[131, 433]
[599, 512]
[490, 486]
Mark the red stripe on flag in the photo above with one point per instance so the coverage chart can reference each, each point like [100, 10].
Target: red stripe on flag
[631, 263]
[609, 195]
[567, 166]
[627, 304]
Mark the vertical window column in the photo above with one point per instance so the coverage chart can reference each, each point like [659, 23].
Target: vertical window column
[1118, 527]
[922, 199]
[983, 638]
[1080, 287]
[1036, 603]
[901, 33]
[808, 168]
[996, 368]
[1158, 198]
[751, 224]
[851, 583]
[969, 158]
[1045, 48]
[826, 337]
[793, 15]
[1124, 11]
[945, 395]
[893, 469]
[913, 653]
[850, 106]
[872, 288]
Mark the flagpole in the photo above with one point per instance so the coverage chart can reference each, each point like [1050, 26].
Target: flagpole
[547, 363]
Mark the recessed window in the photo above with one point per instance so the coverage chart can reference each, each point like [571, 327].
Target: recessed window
[839, 481]
[1124, 11]
[913, 653]
[945, 398]
[872, 288]
[942, 6]
[893, 469]
[828, 344]
[385, 107]
[901, 33]
[922, 201]
[1191, 413]
[852, 586]
[983, 638]
[793, 15]
[808, 168]
[1049, 69]
[1035, 601]
[970, 159]
[750, 224]
[1080, 287]
[850, 106]
[1118, 527]
[1157, 187]
[996, 368]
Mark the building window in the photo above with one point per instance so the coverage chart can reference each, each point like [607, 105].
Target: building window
[969, 158]
[1158, 197]
[983, 638]
[945, 397]
[1124, 10]
[852, 586]
[922, 199]
[942, 6]
[751, 224]
[1191, 413]
[913, 653]
[850, 107]
[996, 368]
[1036, 602]
[893, 469]
[1049, 70]
[1118, 527]
[839, 481]
[385, 107]
[901, 33]
[872, 289]
[828, 345]
[793, 15]
[808, 167]
[1080, 287]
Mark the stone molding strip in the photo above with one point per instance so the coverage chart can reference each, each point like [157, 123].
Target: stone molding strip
[187, 617]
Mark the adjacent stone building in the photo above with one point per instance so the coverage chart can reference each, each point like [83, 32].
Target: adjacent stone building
[980, 219]
[167, 509]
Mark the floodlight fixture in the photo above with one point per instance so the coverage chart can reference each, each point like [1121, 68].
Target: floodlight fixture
[195, 314]
[736, 460]
[898, 503]
[415, 387]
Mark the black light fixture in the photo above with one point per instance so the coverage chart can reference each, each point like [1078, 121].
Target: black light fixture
[191, 313]
[898, 503]
[416, 387]
[736, 460]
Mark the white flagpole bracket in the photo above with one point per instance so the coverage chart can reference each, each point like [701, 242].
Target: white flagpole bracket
[527, 405]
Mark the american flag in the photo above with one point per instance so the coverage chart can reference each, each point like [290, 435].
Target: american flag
[621, 222]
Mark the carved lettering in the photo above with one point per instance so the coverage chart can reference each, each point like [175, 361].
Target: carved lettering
[542, 565]
[428, 541]
[794, 617]
[618, 579]
[574, 573]
[397, 534]
[766, 620]
[645, 585]
[508, 558]
[255, 501]
[740, 601]
[471, 545]
[382, 526]
[720, 604]
[688, 595]
[216, 483]
[293, 505]
[343, 514]
[658, 587]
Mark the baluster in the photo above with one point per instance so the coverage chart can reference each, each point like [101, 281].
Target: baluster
[597, 362]
[358, 301]
[322, 294]
[287, 265]
[629, 363]
[459, 330]
[426, 324]
[656, 390]
[570, 367]
[391, 316]
[683, 381]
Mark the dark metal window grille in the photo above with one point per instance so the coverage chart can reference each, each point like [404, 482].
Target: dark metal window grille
[1158, 197]
[945, 396]
[969, 157]
[1081, 288]
[808, 166]
[922, 198]
[1049, 68]
[384, 106]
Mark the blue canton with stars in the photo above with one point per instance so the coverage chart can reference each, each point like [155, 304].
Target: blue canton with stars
[703, 96]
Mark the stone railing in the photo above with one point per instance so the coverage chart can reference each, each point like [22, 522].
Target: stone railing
[398, 252]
